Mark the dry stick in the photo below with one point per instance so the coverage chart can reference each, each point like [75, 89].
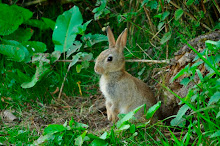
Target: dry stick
[130, 52]
[130, 60]
[144, 51]
[34, 2]
[160, 30]
[190, 15]
[61, 89]
[166, 30]
[148, 17]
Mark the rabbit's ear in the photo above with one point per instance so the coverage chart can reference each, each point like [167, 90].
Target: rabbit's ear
[111, 38]
[121, 41]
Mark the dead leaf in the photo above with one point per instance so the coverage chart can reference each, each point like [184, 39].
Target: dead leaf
[9, 116]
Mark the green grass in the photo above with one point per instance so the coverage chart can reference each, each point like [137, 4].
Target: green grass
[17, 135]
[200, 127]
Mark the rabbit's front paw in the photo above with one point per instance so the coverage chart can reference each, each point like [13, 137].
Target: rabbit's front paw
[112, 116]
[109, 115]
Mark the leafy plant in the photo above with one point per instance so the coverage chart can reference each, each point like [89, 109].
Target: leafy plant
[76, 133]
[204, 96]
[17, 47]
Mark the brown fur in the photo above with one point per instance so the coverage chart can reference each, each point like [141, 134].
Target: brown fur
[122, 91]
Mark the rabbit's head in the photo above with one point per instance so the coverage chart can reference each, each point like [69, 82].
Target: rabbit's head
[112, 59]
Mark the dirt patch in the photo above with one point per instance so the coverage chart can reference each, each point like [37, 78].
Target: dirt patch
[88, 110]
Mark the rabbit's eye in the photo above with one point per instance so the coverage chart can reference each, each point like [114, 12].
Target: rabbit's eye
[109, 58]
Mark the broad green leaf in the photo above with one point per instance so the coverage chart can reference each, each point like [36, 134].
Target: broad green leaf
[55, 56]
[80, 126]
[189, 2]
[74, 60]
[65, 124]
[54, 128]
[11, 17]
[218, 115]
[216, 134]
[141, 71]
[42, 68]
[151, 111]
[214, 98]
[98, 142]
[101, 9]
[87, 56]
[128, 117]
[178, 13]
[37, 23]
[179, 120]
[65, 30]
[78, 68]
[132, 128]
[199, 74]
[80, 139]
[160, 25]
[20, 35]
[76, 46]
[85, 64]
[43, 139]
[35, 47]
[212, 45]
[185, 81]
[152, 4]
[165, 37]
[104, 135]
[14, 50]
[142, 125]
[164, 15]
[180, 73]
[82, 28]
[158, 16]
[22, 12]
[93, 39]
[144, 2]
[217, 26]
[50, 23]
[195, 65]
[124, 127]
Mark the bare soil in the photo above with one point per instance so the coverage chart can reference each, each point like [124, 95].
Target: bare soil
[88, 110]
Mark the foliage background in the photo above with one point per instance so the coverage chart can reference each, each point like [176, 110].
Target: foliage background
[157, 29]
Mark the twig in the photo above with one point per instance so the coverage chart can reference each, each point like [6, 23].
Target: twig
[130, 52]
[34, 2]
[149, 61]
[148, 17]
[144, 51]
[61, 89]
[130, 60]
[161, 29]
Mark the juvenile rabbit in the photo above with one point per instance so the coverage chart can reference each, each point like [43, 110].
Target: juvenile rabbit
[122, 91]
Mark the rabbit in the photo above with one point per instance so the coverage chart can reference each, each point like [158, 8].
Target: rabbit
[121, 90]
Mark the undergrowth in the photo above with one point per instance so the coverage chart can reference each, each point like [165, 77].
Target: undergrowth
[32, 67]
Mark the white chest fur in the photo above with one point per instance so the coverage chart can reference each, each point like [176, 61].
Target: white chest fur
[103, 86]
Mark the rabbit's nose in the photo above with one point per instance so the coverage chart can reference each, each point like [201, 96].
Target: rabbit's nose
[98, 70]
[95, 68]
